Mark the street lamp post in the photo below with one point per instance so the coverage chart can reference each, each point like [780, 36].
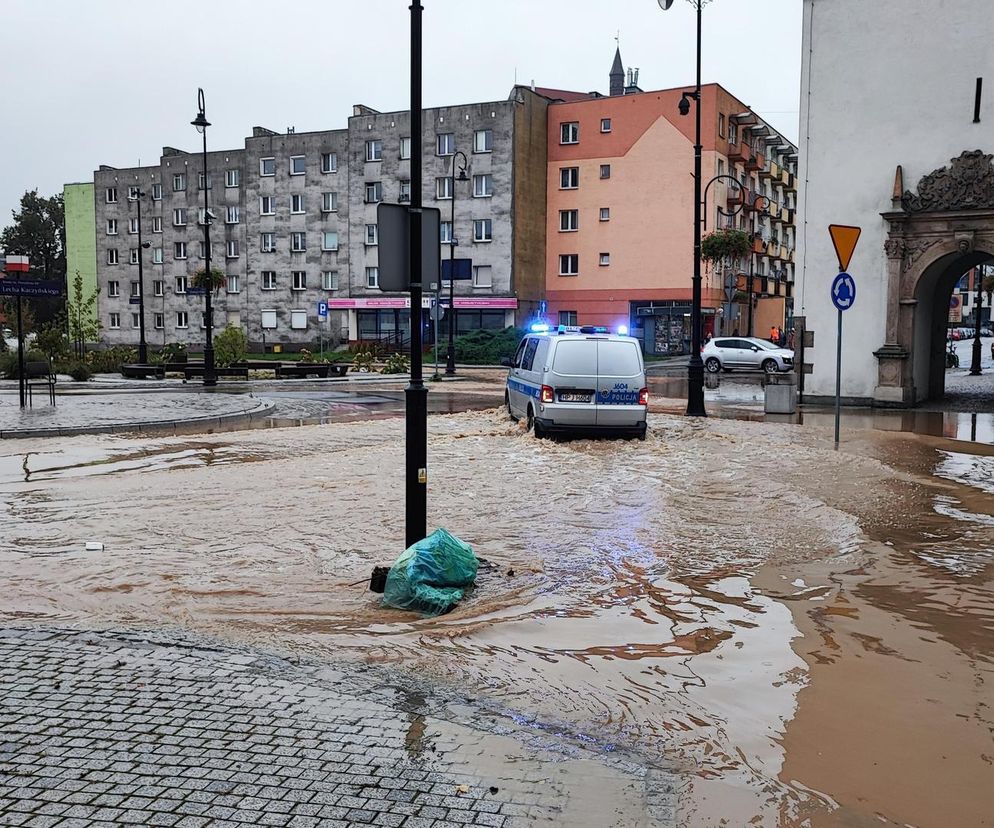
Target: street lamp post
[695, 368]
[975, 363]
[450, 354]
[142, 346]
[210, 378]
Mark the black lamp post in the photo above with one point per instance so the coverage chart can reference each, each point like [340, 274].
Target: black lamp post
[142, 347]
[977, 348]
[210, 378]
[695, 368]
[450, 354]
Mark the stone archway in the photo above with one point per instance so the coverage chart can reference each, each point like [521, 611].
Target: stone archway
[936, 234]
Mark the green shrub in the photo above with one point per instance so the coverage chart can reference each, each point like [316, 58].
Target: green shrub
[9, 364]
[79, 372]
[306, 355]
[110, 360]
[396, 364]
[173, 352]
[486, 347]
[230, 346]
[53, 341]
[362, 361]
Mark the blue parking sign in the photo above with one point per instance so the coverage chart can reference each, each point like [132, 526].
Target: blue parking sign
[323, 309]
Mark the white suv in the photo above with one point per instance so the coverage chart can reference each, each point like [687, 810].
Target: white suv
[725, 353]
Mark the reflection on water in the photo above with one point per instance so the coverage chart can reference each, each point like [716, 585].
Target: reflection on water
[635, 592]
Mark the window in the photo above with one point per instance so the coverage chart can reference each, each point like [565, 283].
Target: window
[569, 220]
[202, 250]
[404, 193]
[605, 213]
[329, 280]
[329, 238]
[232, 178]
[297, 203]
[156, 255]
[372, 277]
[721, 125]
[443, 188]
[132, 225]
[405, 148]
[182, 319]
[134, 255]
[179, 182]
[267, 206]
[111, 195]
[372, 236]
[181, 284]
[231, 249]
[483, 186]
[329, 162]
[605, 124]
[179, 250]
[113, 289]
[329, 202]
[569, 132]
[445, 143]
[733, 133]
[202, 217]
[267, 242]
[200, 181]
[159, 321]
[374, 150]
[156, 224]
[111, 227]
[135, 320]
[374, 192]
[232, 285]
[115, 321]
[267, 166]
[445, 232]
[156, 192]
[232, 215]
[605, 259]
[158, 288]
[298, 320]
[112, 257]
[298, 164]
[269, 282]
[569, 178]
[269, 320]
[605, 171]
[298, 242]
[569, 264]
[483, 276]
[567, 317]
[299, 278]
[179, 217]
[483, 230]
[483, 140]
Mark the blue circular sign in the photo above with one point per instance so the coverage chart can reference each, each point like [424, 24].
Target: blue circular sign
[843, 291]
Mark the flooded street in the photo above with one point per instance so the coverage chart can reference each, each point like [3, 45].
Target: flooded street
[804, 635]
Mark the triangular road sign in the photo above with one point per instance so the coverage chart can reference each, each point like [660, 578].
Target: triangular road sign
[844, 237]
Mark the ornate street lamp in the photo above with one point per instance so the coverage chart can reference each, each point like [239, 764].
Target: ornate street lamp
[210, 378]
[450, 354]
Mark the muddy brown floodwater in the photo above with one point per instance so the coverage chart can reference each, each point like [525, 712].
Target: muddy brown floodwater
[804, 635]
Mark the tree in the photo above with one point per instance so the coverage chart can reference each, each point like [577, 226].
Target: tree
[83, 324]
[39, 232]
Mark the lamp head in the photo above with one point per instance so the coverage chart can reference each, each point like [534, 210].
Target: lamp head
[200, 122]
[684, 105]
[664, 4]
[462, 175]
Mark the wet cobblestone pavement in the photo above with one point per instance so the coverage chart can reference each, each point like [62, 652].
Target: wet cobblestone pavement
[122, 728]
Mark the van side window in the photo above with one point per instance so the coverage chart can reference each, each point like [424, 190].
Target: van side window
[529, 357]
[517, 356]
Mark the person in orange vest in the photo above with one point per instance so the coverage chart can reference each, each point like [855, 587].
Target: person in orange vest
[774, 335]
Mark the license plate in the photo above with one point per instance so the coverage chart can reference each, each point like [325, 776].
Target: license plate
[581, 398]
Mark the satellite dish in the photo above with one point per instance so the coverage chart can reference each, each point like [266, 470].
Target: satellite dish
[664, 4]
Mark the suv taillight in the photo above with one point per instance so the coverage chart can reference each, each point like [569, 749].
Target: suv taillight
[547, 394]
[644, 396]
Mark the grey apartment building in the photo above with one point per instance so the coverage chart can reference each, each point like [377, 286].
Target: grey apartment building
[293, 225]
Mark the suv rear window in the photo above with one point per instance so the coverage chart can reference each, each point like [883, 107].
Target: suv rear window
[576, 357]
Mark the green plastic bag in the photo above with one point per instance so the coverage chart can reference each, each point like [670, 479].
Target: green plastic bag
[429, 576]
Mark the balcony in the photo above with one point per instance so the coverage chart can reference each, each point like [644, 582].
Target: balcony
[772, 171]
[736, 196]
[740, 152]
[754, 201]
[758, 245]
[789, 182]
[756, 161]
[773, 249]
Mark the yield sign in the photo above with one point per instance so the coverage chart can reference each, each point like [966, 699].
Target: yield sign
[844, 237]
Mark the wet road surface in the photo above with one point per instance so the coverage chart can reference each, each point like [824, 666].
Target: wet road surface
[803, 635]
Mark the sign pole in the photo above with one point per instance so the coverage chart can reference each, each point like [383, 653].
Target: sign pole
[416, 393]
[838, 378]
[21, 387]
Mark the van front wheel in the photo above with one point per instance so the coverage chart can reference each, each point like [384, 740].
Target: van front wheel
[507, 402]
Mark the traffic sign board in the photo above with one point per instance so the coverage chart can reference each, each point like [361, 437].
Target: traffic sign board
[843, 291]
[844, 238]
[322, 309]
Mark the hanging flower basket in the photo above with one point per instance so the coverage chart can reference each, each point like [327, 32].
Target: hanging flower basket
[725, 246]
[214, 282]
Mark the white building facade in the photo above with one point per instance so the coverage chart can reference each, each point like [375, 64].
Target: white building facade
[892, 115]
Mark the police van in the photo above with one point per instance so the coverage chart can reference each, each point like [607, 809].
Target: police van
[578, 379]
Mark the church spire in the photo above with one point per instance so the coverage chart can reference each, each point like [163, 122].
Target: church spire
[617, 75]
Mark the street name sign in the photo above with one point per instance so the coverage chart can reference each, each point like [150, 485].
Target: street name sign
[458, 270]
[30, 287]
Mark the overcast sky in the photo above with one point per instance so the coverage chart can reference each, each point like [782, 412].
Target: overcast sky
[113, 81]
